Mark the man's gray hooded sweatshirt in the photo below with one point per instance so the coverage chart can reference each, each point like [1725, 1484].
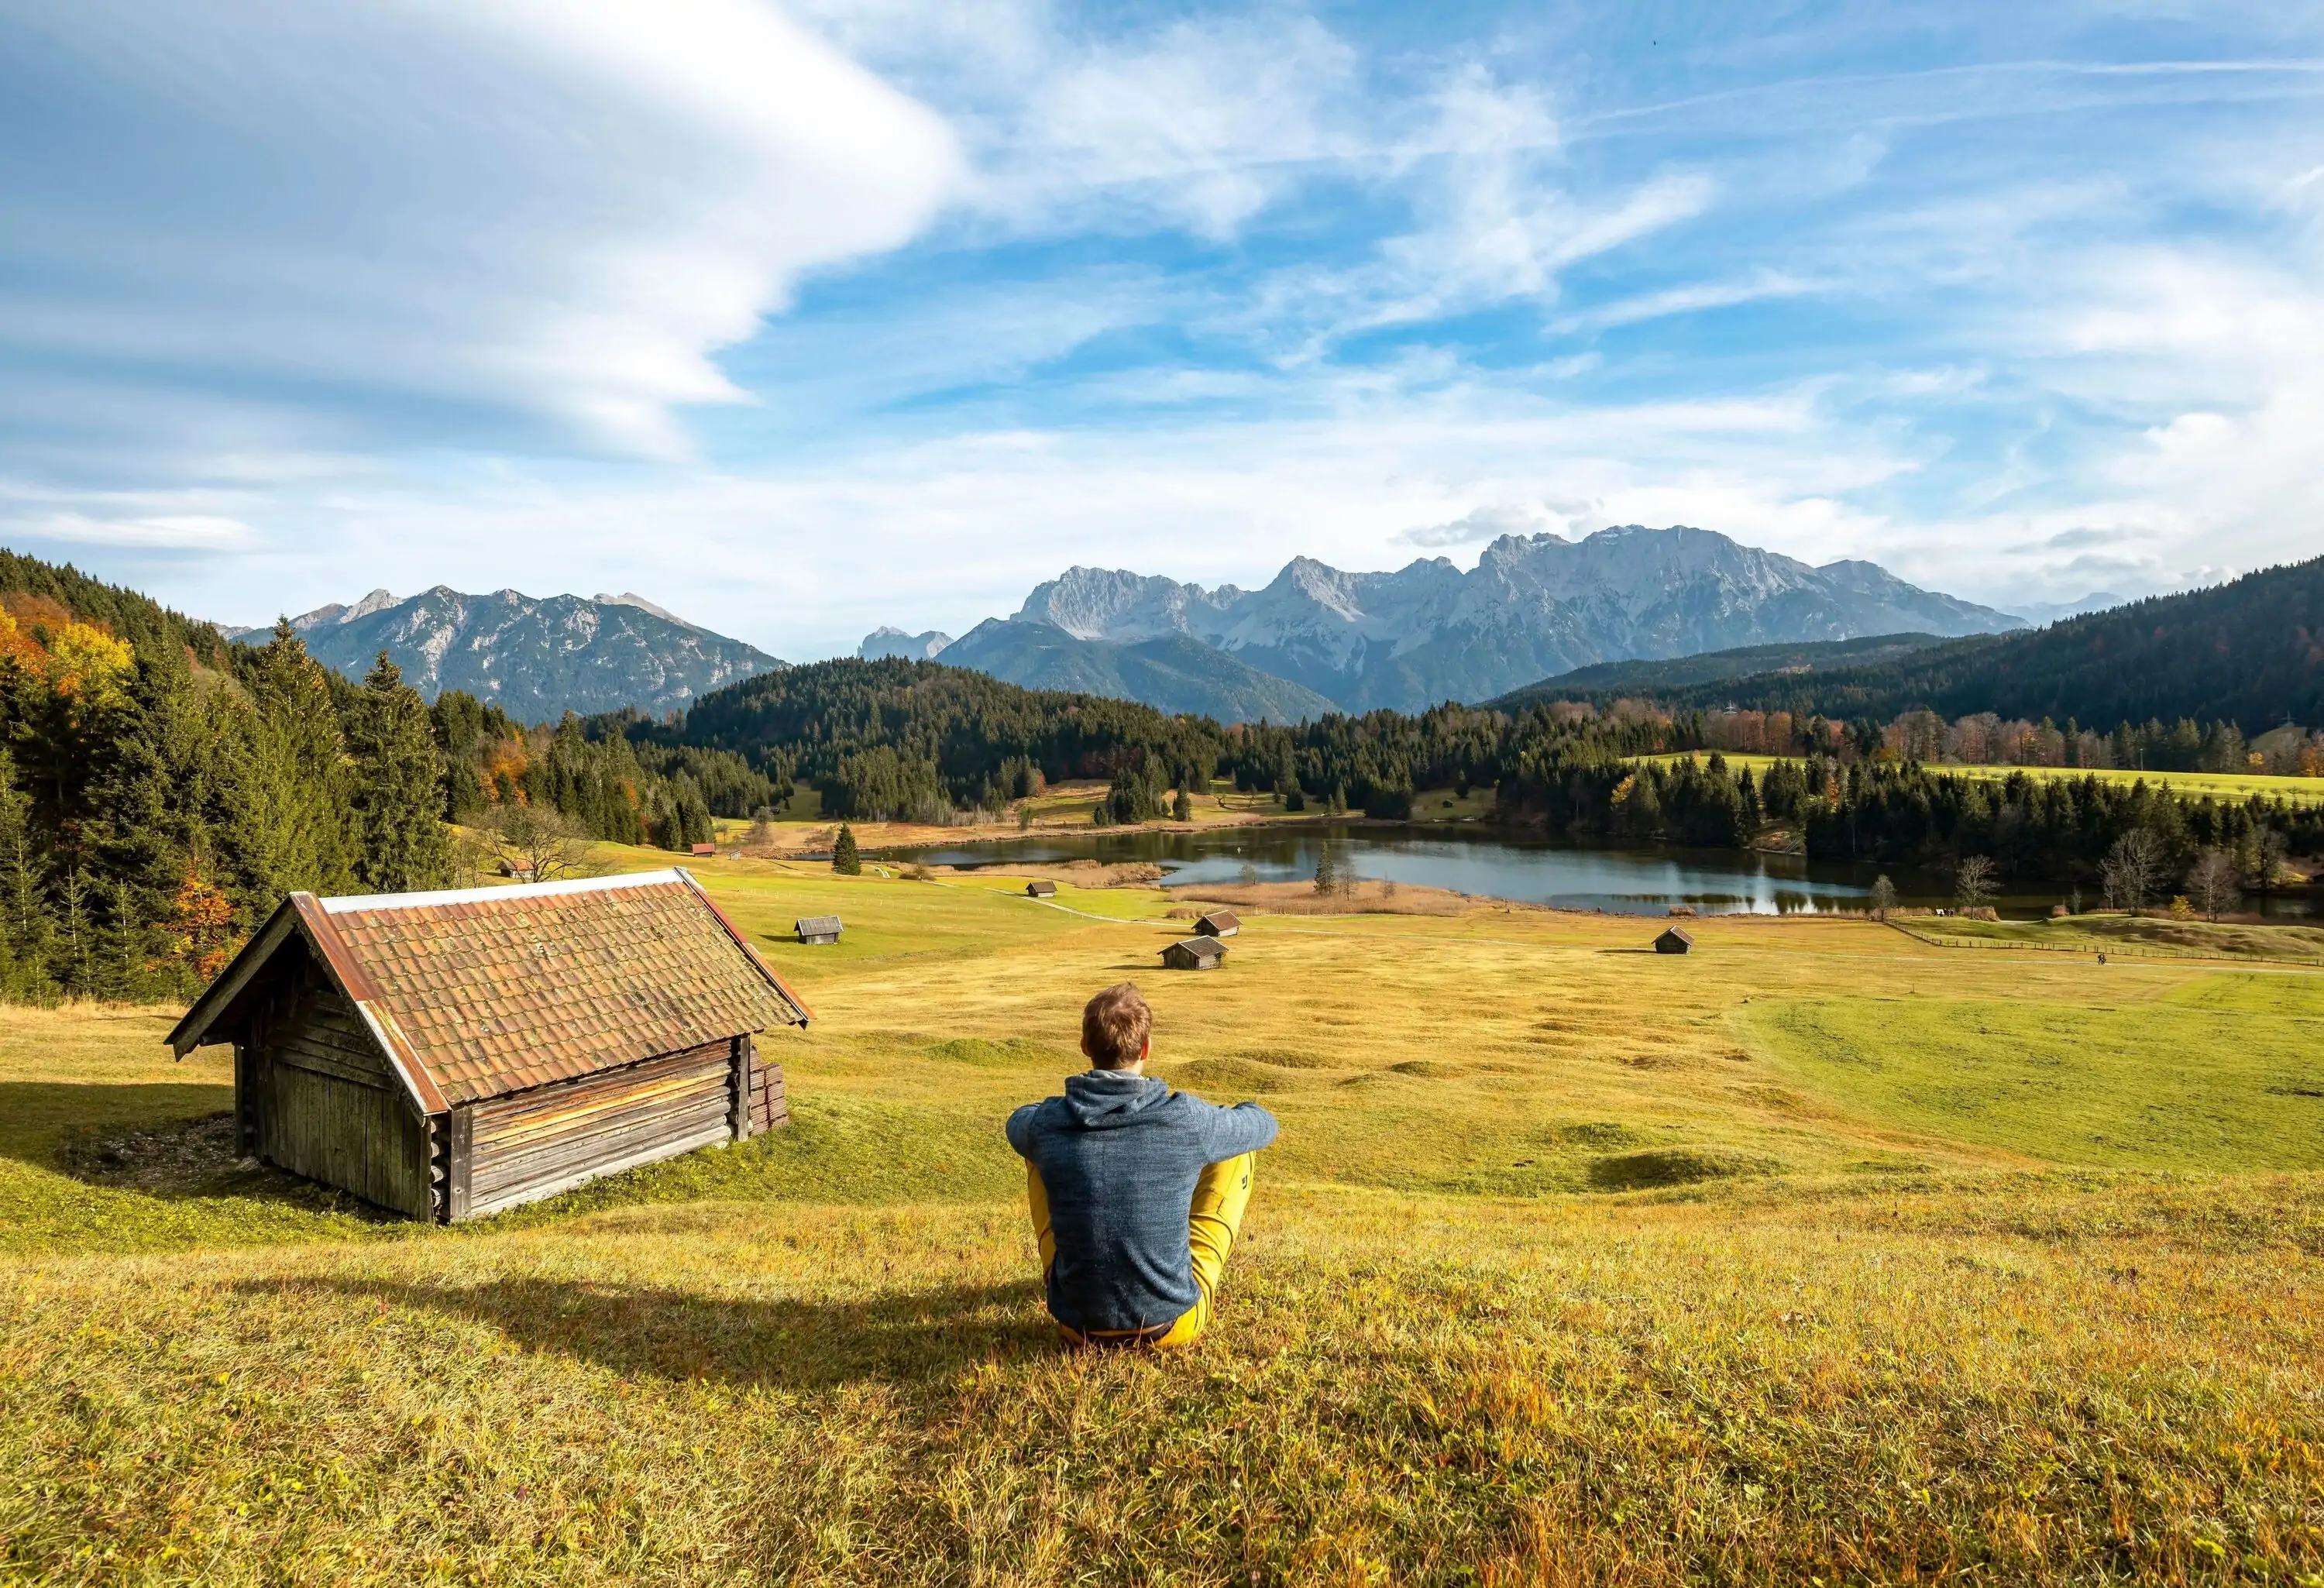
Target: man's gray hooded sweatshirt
[1119, 1156]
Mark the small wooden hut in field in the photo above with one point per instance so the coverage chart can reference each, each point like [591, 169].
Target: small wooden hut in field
[449, 1054]
[816, 928]
[707, 851]
[1675, 940]
[1219, 923]
[1040, 889]
[1195, 953]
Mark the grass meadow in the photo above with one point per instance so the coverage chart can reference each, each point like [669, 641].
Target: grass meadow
[2225, 786]
[1822, 1254]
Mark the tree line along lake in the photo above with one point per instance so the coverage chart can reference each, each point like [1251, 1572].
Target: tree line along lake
[1493, 863]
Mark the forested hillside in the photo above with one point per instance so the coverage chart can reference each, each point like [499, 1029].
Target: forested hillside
[1611, 681]
[2250, 653]
[160, 790]
[919, 740]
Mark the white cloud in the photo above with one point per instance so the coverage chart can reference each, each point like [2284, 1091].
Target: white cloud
[371, 219]
[949, 532]
[1692, 299]
[168, 532]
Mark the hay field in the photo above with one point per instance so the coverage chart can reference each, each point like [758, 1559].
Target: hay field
[1817, 1253]
[2231, 786]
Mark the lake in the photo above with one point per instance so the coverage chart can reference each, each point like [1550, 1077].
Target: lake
[1478, 860]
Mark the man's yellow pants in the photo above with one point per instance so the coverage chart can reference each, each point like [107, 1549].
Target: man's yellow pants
[1221, 1195]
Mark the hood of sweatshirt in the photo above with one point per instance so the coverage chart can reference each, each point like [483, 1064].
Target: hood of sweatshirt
[1102, 1099]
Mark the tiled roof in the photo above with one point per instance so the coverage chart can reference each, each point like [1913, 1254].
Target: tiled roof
[495, 990]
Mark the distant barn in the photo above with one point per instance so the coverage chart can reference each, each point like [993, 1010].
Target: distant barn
[707, 851]
[816, 928]
[449, 1054]
[1219, 923]
[1675, 940]
[1195, 953]
[1040, 889]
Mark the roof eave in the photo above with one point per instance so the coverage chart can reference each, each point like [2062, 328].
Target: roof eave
[193, 1027]
[757, 959]
[364, 993]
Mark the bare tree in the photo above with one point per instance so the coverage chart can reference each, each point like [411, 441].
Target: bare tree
[1884, 897]
[2132, 871]
[1973, 881]
[2212, 883]
[476, 855]
[537, 839]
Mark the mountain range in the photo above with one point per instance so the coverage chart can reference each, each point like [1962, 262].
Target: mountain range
[1534, 607]
[535, 658]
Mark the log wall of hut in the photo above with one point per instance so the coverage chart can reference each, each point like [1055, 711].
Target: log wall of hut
[534, 1144]
[320, 1099]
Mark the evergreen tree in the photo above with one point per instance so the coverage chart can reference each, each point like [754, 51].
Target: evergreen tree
[1326, 870]
[293, 802]
[692, 814]
[145, 786]
[76, 940]
[398, 786]
[24, 924]
[1182, 808]
[845, 860]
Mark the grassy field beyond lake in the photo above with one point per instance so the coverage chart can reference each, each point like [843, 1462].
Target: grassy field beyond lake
[1821, 1252]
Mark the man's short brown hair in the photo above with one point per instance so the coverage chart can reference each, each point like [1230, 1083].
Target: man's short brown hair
[1115, 1025]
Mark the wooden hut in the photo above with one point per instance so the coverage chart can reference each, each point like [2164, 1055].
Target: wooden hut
[705, 851]
[1219, 923]
[1195, 953]
[1675, 940]
[449, 1054]
[1040, 889]
[816, 928]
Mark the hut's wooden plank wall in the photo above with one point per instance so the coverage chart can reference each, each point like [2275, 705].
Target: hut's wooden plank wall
[532, 1144]
[331, 1108]
[768, 1106]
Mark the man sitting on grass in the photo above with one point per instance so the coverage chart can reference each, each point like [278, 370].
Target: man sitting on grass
[1137, 1191]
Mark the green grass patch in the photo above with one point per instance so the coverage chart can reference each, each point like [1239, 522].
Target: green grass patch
[2154, 1085]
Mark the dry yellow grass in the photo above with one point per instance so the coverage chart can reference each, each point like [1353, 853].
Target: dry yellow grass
[1570, 1267]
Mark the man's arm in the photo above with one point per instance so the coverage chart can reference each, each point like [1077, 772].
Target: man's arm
[1229, 1132]
[1020, 1129]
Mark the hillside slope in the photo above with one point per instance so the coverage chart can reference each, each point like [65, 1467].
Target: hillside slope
[1170, 672]
[535, 658]
[2250, 653]
[1607, 679]
[139, 619]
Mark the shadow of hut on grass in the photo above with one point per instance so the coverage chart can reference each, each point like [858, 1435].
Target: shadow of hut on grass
[910, 1338]
[161, 1139]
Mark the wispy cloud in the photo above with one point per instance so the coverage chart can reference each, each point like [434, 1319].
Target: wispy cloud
[554, 210]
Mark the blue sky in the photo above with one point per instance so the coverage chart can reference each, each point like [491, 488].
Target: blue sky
[803, 320]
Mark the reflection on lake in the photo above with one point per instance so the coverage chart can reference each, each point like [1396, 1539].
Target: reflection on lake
[1482, 861]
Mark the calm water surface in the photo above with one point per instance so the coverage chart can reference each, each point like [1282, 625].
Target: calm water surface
[1478, 860]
